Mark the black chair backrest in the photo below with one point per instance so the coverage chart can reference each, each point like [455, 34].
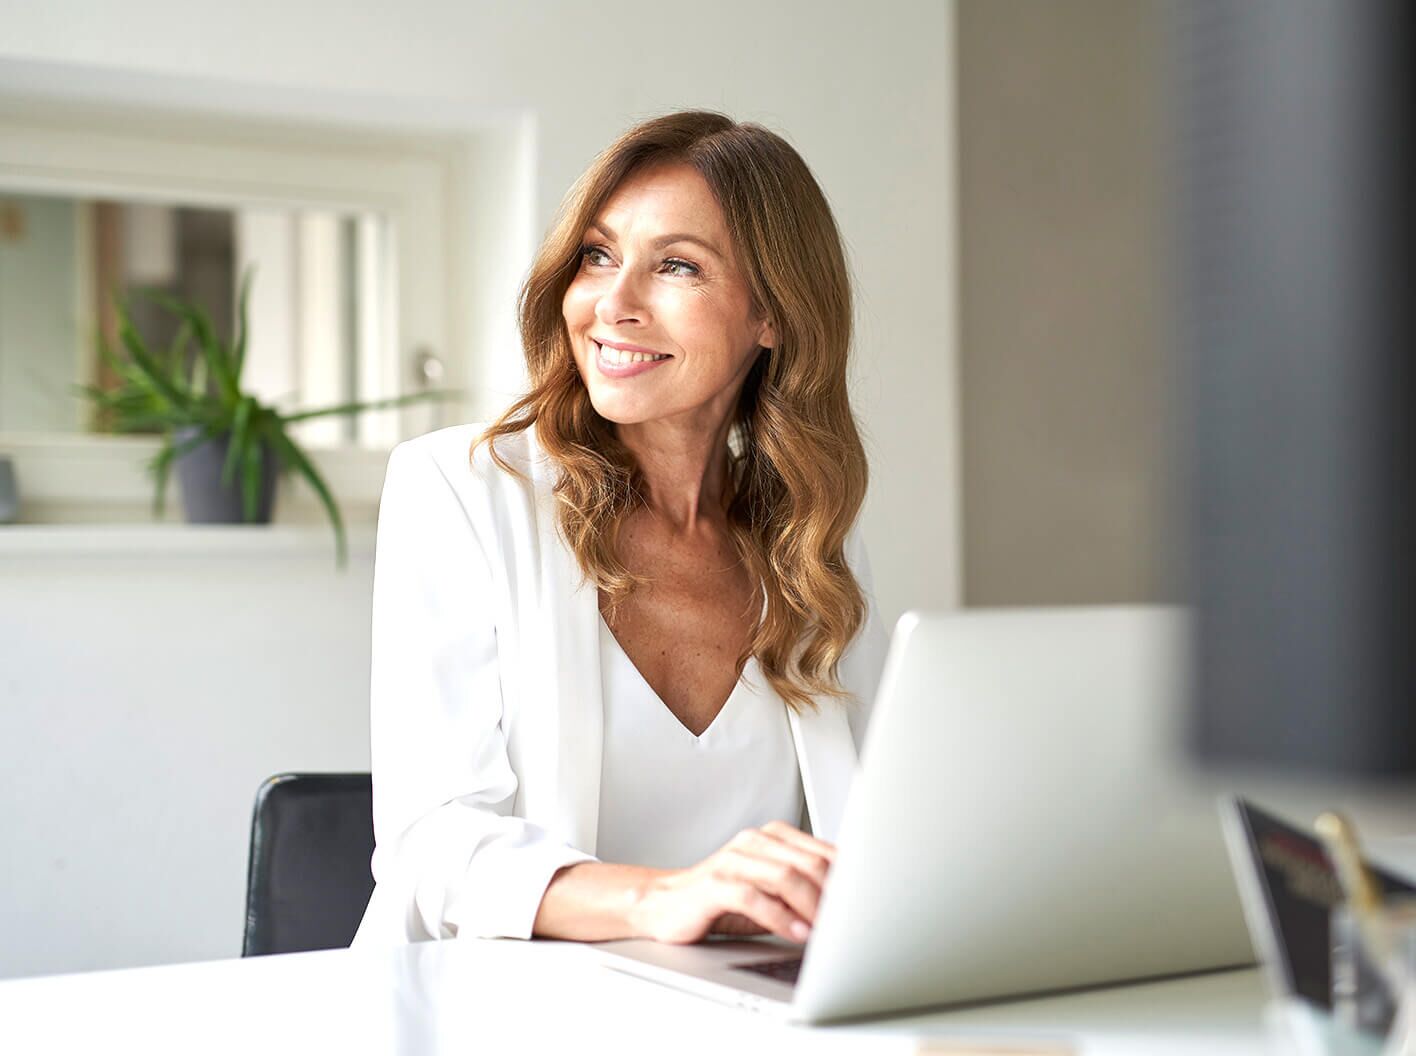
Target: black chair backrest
[312, 836]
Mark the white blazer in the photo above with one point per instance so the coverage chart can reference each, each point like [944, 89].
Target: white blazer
[485, 701]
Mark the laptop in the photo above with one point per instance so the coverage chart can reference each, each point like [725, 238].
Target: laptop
[1022, 823]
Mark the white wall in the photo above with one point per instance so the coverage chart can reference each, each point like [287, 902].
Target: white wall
[144, 695]
[864, 91]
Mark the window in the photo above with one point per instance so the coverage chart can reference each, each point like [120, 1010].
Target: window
[355, 233]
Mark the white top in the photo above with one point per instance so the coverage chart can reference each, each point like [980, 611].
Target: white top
[669, 799]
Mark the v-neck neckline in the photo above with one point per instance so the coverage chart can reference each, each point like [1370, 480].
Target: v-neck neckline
[668, 711]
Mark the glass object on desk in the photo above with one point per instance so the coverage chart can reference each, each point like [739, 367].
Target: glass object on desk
[1374, 994]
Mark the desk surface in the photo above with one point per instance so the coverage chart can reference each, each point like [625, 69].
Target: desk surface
[488, 996]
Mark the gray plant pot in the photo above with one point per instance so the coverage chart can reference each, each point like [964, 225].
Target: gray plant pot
[9, 492]
[199, 474]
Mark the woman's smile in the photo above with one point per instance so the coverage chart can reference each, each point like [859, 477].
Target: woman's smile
[616, 360]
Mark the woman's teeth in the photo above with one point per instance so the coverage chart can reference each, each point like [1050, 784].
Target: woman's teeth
[619, 356]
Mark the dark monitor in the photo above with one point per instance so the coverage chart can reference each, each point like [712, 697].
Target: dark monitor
[1293, 175]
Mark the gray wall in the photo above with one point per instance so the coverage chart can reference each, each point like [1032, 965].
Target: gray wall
[1063, 387]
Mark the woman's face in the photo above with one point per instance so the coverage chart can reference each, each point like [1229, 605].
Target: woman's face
[661, 322]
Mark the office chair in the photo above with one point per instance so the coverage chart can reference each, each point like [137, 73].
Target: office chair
[308, 883]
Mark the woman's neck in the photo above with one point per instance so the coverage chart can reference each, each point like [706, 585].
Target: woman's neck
[685, 470]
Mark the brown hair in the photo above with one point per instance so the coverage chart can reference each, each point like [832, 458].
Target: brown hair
[798, 468]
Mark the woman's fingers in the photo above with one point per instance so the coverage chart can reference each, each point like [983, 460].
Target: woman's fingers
[767, 879]
[735, 924]
[781, 878]
[790, 834]
[768, 911]
[761, 844]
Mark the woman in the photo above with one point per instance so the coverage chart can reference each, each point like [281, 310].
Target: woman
[623, 645]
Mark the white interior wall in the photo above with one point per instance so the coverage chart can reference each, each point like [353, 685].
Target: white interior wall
[864, 93]
[144, 695]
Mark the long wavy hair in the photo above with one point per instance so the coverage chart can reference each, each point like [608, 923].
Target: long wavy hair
[798, 471]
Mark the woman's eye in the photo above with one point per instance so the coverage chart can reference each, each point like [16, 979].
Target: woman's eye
[599, 257]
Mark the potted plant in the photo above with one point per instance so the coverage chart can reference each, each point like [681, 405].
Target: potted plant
[228, 447]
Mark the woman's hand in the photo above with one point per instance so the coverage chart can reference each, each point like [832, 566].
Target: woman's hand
[763, 880]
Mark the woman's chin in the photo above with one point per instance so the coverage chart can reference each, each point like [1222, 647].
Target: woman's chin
[622, 412]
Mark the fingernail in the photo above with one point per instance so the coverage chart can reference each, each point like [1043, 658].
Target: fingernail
[800, 931]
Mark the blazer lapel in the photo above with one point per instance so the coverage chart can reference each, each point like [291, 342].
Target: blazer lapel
[570, 671]
[827, 758]
[582, 726]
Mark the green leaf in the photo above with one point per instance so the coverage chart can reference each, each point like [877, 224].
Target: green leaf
[153, 373]
[93, 392]
[105, 350]
[295, 458]
[136, 403]
[242, 330]
[236, 450]
[177, 360]
[370, 405]
[199, 378]
[217, 357]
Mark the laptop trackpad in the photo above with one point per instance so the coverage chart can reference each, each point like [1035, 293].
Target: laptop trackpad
[716, 962]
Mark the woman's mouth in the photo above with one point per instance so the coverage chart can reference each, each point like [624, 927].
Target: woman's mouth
[623, 363]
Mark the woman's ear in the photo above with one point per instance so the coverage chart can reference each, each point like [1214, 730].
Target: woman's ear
[767, 335]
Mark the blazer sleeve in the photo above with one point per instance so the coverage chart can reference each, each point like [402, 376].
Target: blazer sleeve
[864, 659]
[450, 859]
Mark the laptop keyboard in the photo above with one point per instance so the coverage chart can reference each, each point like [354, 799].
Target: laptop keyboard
[785, 971]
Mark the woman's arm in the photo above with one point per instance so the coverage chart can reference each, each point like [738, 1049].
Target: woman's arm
[450, 859]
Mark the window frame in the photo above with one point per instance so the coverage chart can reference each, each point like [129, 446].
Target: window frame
[412, 180]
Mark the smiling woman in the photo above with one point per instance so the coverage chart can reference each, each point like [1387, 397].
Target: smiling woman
[636, 759]
[631, 286]
[762, 329]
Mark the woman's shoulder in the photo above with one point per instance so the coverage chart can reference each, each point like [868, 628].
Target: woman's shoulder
[452, 450]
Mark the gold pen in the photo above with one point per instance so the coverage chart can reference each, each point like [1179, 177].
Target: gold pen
[1364, 894]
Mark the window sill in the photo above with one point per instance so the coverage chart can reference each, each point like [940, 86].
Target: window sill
[100, 481]
[18, 541]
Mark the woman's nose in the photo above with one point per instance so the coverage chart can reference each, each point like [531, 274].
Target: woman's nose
[622, 301]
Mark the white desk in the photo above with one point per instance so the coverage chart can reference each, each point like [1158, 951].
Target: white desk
[476, 997]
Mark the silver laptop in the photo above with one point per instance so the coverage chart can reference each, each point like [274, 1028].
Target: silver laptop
[1023, 822]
